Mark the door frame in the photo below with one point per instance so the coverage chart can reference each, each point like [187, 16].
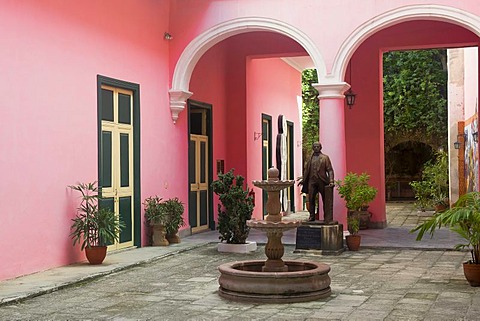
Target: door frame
[198, 104]
[269, 161]
[135, 88]
[291, 161]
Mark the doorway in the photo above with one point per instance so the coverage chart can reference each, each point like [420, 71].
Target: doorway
[118, 167]
[200, 168]
[266, 154]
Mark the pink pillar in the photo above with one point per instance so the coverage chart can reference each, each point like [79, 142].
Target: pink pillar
[332, 137]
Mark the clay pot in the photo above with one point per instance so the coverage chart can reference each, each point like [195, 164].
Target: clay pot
[173, 237]
[353, 242]
[96, 254]
[158, 235]
[472, 273]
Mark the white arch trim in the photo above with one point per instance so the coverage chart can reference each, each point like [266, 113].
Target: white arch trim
[389, 18]
[179, 92]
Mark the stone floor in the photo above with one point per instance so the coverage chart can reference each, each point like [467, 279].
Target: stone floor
[394, 278]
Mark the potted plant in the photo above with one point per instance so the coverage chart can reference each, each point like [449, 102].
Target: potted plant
[423, 194]
[94, 227]
[464, 219]
[156, 218]
[235, 208]
[357, 193]
[433, 188]
[173, 209]
[353, 225]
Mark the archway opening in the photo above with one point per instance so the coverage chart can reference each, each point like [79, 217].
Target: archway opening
[364, 122]
[251, 80]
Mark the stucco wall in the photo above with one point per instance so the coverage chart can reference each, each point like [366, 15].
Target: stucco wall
[272, 88]
[50, 56]
[239, 91]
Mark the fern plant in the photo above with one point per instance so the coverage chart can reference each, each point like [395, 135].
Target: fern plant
[463, 218]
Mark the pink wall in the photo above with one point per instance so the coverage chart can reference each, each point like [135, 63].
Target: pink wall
[53, 50]
[50, 56]
[319, 20]
[220, 78]
[273, 96]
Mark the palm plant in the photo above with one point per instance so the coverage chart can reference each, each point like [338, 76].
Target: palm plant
[93, 226]
[463, 218]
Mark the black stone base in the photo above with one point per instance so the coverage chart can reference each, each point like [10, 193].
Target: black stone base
[326, 238]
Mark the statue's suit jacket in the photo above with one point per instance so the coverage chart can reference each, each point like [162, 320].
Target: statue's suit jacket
[325, 171]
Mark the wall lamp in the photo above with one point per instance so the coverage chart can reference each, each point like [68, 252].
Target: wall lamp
[350, 97]
[167, 36]
[457, 144]
[256, 136]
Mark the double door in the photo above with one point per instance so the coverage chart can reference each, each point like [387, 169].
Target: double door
[116, 168]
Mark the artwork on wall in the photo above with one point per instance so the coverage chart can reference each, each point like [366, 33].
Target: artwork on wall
[471, 156]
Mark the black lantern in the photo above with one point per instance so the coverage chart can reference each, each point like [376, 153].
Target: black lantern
[350, 97]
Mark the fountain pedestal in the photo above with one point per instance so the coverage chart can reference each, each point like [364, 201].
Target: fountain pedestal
[274, 280]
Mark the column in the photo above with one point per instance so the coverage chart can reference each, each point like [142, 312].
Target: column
[332, 137]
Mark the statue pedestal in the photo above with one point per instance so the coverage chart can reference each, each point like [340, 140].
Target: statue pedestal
[319, 237]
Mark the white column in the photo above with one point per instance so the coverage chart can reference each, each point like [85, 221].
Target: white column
[332, 137]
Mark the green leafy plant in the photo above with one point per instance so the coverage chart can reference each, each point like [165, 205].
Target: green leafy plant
[93, 226]
[154, 214]
[423, 194]
[235, 209]
[168, 213]
[433, 188]
[463, 218]
[173, 209]
[356, 191]
[353, 224]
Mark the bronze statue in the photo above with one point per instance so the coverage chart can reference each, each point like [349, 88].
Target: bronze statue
[318, 177]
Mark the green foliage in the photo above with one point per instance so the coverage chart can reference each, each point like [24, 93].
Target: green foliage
[235, 209]
[463, 218]
[310, 110]
[436, 173]
[174, 214]
[433, 188]
[414, 93]
[356, 191]
[423, 194]
[353, 223]
[93, 226]
[154, 214]
[168, 213]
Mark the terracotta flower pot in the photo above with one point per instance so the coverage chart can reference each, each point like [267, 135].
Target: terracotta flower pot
[158, 235]
[96, 254]
[173, 237]
[472, 273]
[353, 242]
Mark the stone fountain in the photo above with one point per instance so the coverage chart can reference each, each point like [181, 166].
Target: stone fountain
[274, 280]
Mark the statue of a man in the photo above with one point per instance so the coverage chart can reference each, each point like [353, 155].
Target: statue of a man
[317, 176]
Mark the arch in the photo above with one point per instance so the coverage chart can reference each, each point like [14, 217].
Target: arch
[179, 92]
[387, 19]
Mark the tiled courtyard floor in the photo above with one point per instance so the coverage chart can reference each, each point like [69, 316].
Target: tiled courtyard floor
[179, 282]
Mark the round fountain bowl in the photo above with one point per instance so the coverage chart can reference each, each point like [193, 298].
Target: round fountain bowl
[245, 281]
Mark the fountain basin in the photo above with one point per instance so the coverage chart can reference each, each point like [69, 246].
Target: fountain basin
[245, 281]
